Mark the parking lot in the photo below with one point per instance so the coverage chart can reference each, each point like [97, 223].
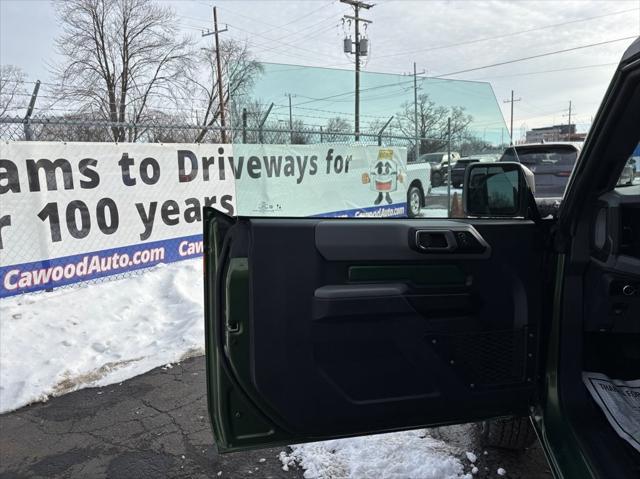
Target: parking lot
[156, 425]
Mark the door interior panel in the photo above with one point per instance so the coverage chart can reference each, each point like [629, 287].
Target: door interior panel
[612, 286]
[351, 328]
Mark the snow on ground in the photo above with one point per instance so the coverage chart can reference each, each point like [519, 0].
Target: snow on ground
[442, 191]
[98, 334]
[395, 455]
[433, 213]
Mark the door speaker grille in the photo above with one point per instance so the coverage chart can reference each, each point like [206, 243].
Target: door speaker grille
[488, 358]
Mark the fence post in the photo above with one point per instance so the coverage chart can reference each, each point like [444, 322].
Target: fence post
[321, 135]
[264, 118]
[28, 134]
[382, 131]
[449, 167]
[244, 125]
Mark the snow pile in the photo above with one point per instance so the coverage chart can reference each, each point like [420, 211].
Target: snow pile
[393, 455]
[99, 334]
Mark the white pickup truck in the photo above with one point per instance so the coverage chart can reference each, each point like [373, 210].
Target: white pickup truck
[418, 186]
[422, 174]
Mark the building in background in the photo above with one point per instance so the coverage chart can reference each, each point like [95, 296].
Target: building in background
[554, 133]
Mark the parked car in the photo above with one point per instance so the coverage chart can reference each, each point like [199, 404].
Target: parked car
[551, 164]
[320, 328]
[458, 169]
[439, 162]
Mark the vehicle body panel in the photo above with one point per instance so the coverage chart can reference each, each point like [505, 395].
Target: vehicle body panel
[419, 175]
[370, 333]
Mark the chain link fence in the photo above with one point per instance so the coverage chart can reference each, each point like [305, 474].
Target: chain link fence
[159, 130]
[51, 128]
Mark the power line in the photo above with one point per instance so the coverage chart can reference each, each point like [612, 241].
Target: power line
[297, 47]
[271, 43]
[534, 56]
[310, 31]
[279, 39]
[387, 85]
[310, 35]
[583, 67]
[320, 110]
[520, 32]
[282, 27]
[203, 26]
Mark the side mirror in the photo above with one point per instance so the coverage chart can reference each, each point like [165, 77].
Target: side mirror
[497, 189]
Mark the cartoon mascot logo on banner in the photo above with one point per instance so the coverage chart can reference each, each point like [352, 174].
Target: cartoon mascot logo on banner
[383, 176]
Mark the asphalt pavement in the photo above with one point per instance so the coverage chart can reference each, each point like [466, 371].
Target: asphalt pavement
[156, 426]
[152, 426]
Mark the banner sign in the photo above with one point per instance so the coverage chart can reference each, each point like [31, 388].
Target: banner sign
[320, 180]
[73, 212]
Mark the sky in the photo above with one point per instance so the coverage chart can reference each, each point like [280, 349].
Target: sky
[441, 37]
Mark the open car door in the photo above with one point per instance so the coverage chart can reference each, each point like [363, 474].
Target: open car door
[326, 328]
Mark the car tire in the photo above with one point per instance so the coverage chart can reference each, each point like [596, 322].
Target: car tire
[514, 433]
[414, 201]
[436, 179]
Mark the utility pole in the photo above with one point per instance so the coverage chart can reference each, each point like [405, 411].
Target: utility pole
[290, 118]
[219, 69]
[415, 111]
[361, 49]
[512, 101]
[569, 133]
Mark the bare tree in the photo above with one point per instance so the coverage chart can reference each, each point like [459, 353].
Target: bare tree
[13, 94]
[432, 122]
[57, 128]
[300, 134]
[336, 126]
[240, 71]
[121, 57]
[475, 145]
[163, 129]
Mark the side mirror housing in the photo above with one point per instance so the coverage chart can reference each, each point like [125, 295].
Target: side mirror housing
[497, 190]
